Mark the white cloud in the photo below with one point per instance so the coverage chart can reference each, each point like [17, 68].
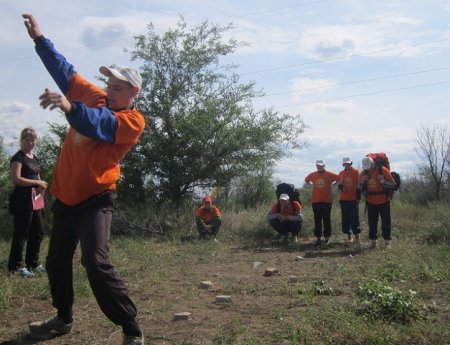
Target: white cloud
[16, 115]
[305, 86]
[329, 107]
[397, 19]
[340, 42]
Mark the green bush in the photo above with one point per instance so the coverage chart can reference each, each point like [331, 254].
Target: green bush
[379, 301]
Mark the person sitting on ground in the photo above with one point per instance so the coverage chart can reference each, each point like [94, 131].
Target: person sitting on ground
[207, 219]
[286, 216]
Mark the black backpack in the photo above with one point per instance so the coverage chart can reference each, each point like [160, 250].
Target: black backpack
[289, 189]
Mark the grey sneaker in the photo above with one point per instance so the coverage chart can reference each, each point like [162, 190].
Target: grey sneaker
[23, 272]
[39, 269]
[130, 340]
[44, 330]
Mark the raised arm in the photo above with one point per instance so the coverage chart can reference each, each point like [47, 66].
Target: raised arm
[32, 26]
[55, 63]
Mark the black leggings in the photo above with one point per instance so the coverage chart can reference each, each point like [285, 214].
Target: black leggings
[322, 212]
[29, 228]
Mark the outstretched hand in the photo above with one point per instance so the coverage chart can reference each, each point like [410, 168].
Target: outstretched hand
[32, 26]
[55, 100]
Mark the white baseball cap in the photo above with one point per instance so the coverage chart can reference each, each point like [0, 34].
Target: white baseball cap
[320, 162]
[284, 197]
[124, 73]
[367, 163]
[346, 160]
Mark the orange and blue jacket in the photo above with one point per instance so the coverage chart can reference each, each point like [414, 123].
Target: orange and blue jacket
[321, 181]
[98, 138]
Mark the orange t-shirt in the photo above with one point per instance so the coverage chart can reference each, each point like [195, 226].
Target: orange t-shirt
[374, 187]
[349, 180]
[87, 166]
[321, 185]
[207, 215]
[287, 211]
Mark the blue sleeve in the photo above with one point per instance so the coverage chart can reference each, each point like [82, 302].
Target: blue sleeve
[56, 64]
[96, 123]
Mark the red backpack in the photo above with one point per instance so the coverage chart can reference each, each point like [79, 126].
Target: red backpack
[381, 160]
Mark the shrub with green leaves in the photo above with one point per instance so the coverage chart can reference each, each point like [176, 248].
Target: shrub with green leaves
[379, 301]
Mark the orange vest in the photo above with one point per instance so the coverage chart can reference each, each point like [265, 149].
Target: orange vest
[375, 188]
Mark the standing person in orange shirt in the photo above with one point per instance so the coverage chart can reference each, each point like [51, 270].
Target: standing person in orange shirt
[104, 126]
[349, 198]
[322, 200]
[378, 184]
[207, 219]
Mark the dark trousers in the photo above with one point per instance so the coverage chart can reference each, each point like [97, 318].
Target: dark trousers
[384, 211]
[89, 224]
[29, 228]
[322, 213]
[292, 226]
[350, 217]
[215, 226]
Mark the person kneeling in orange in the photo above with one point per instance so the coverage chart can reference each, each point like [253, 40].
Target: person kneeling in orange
[286, 216]
[207, 219]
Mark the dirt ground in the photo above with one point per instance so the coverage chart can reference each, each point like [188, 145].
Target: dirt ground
[257, 300]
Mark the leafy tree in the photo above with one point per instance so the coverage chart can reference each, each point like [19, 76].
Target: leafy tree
[433, 147]
[254, 189]
[5, 180]
[202, 130]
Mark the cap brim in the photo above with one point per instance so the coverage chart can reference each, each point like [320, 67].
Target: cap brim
[107, 71]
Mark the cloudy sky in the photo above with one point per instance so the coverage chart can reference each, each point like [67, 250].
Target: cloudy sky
[364, 75]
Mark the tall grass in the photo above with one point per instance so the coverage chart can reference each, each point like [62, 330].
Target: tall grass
[345, 296]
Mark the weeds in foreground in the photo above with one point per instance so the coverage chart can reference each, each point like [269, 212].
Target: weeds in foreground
[379, 301]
